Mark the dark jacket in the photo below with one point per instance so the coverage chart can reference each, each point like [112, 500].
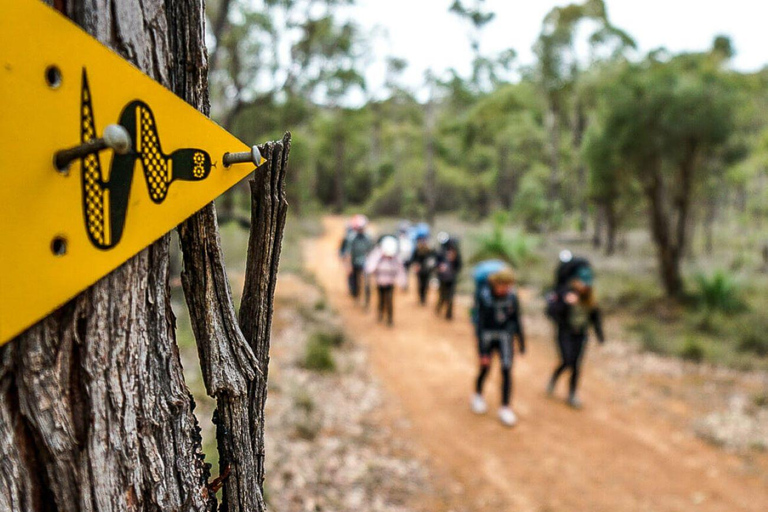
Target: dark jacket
[447, 270]
[357, 245]
[424, 257]
[575, 318]
[500, 314]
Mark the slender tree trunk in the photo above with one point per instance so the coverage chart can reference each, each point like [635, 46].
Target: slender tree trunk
[553, 127]
[94, 413]
[668, 248]
[340, 149]
[579, 127]
[430, 186]
[611, 227]
[597, 235]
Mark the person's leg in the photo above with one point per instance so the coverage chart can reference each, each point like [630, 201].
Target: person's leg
[485, 365]
[505, 352]
[450, 291]
[577, 343]
[380, 308]
[440, 297]
[562, 346]
[423, 284]
[506, 385]
[390, 299]
[351, 281]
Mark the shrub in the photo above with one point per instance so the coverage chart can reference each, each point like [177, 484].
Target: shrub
[754, 339]
[515, 250]
[649, 339]
[318, 356]
[692, 351]
[719, 292]
[332, 338]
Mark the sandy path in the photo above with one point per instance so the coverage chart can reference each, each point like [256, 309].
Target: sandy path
[614, 455]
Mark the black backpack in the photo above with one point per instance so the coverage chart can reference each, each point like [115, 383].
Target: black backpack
[565, 272]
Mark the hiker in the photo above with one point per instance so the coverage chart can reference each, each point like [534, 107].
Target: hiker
[386, 270]
[497, 321]
[422, 261]
[354, 250]
[405, 247]
[573, 308]
[448, 267]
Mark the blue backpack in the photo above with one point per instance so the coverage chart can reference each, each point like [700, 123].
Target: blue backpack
[480, 274]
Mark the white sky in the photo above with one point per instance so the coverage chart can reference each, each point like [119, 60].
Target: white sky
[428, 36]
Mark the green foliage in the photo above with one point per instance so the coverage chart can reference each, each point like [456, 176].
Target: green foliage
[753, 337]
[692, 350]
[649, 338]
[318, 355]
[531, 207]
[330, 337]
[516, 249]
[719, 291]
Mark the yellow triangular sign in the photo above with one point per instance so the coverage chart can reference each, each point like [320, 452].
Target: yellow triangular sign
[66, 223]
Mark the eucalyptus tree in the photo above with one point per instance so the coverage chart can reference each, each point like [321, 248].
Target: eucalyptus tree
[661, 122]
[559, 69]
[274, 61]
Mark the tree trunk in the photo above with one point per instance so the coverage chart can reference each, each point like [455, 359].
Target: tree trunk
[668, 249]
[611, 227]
[340, 149]
[597, 235]
[553, 128]
[579, 127]
[94, 413]
[430, 187]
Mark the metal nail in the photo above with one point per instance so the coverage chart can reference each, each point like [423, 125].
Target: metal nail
[115, 137]
[253, 156]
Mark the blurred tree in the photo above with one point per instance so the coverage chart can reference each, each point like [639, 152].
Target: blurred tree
[559, 68]
[661, 121]
[273, 62]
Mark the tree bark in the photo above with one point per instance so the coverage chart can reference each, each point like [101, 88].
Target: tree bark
[340, 152]
[430, 185]
[597, 235]
[552, 121]
[94, 413]
[579, 127]
[611, 227]
[668, 249]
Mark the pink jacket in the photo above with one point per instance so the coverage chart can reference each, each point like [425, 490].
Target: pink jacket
[385, 270]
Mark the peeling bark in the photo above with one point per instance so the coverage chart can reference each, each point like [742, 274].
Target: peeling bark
[94, 412]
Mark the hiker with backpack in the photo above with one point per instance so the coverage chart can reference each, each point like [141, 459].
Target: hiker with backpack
[387, 270]
[448, 267]
[496, 315]
[573, 308]
[354, 251]
[422, 261]
[405, 247]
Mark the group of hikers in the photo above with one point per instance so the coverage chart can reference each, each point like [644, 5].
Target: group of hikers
[496, 315]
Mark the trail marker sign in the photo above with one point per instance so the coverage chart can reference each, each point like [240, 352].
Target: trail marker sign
[75, 205]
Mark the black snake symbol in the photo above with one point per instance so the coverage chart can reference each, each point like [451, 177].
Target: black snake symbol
[105, 199]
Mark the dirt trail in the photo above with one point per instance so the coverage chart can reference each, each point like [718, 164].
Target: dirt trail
[615, 455]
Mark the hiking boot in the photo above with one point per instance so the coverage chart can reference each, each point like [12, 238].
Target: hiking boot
[478, 404]
[507, 417]
[574, 402]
